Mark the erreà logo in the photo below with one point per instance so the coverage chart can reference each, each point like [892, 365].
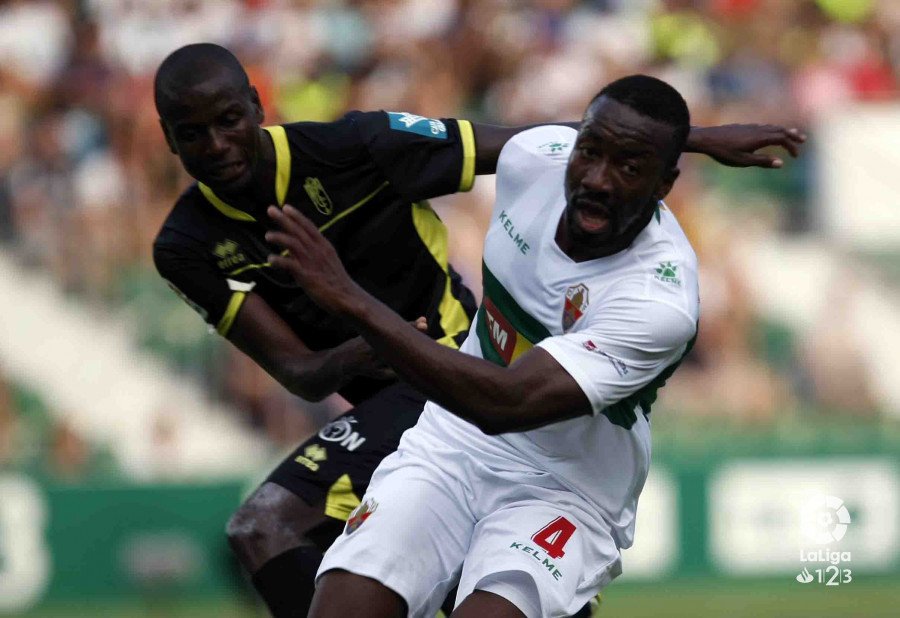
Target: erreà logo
[228, 253]
[501, 333]
[316, 193]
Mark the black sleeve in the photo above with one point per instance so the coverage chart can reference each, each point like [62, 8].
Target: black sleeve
[421, 157]
[190, 275]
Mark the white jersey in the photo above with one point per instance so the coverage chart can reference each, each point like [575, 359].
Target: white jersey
[618, 324]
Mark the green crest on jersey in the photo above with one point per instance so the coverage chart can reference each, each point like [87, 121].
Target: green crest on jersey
[316, 193]
[668, 272]
[552, 147]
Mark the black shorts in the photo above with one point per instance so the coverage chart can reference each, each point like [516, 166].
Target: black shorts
[334, 467]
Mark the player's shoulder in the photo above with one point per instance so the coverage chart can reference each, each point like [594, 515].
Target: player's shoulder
[657, 276]
[666, 241]
[548, 144]
[529, 156]
[643, 308]
[318, 139]
[665, 266]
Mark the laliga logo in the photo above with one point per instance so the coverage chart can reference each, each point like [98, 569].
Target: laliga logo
[805, 576]
[825, 520]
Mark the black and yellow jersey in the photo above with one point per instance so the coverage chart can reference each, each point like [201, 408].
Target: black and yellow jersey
[363, 180]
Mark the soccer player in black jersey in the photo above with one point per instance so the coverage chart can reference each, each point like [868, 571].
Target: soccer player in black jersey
[363, 181]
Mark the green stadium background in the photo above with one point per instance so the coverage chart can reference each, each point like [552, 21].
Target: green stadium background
[128, 433]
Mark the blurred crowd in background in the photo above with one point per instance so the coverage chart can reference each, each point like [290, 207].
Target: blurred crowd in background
[86, 178]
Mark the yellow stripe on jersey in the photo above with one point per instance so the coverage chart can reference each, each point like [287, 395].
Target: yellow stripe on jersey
[341, 500]
[229, 211]
[468, 167]
[282, 162]
[282, 178]
[434, 235]
[358, 204]
[234, 305]
[238, 271]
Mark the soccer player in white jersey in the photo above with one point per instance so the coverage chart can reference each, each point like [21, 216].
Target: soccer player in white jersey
[521, 479]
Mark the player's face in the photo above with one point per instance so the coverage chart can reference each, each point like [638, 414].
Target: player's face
[617, 172]
[213, 126]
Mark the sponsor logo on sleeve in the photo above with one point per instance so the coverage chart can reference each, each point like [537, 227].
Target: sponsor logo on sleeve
[411, 123]
[360, 514]
[620, 367]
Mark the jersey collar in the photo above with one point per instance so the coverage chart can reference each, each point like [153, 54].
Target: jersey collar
[282, 178]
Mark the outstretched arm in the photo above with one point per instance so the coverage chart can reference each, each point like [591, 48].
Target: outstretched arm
[734, 145]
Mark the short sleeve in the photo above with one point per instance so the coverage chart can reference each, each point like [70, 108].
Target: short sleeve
[533, 152]
[626, 347]
[186, 270]
[421, 157]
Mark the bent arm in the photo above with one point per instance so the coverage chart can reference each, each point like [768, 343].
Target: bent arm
[533, 391]
[734, 145]
[564, 377]
[265, 337]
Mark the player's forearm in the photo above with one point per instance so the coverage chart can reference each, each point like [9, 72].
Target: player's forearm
[490, 139]
[471, 388]
[696, 141]
[315, 375]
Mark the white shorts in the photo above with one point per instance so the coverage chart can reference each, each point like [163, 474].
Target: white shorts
[434, 516]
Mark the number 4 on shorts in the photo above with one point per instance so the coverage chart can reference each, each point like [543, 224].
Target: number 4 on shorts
[553, 537]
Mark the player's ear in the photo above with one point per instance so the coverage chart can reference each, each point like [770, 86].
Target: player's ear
[258, 111]
[669, 178]
[168, 136]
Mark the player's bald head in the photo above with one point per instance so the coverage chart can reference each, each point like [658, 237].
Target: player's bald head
[191, 65]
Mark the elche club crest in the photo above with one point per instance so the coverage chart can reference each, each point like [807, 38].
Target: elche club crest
[575, 305]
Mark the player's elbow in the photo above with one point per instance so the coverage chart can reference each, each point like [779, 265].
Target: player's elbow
[307, 389]
[310, 393]
[300, 381]
[494, 428]
[494, 422]
[499, 412]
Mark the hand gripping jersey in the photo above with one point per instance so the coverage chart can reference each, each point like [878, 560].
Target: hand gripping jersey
[618, 324]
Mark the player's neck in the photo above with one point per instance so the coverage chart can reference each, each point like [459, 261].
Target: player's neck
[581, 252]
[259, 194]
